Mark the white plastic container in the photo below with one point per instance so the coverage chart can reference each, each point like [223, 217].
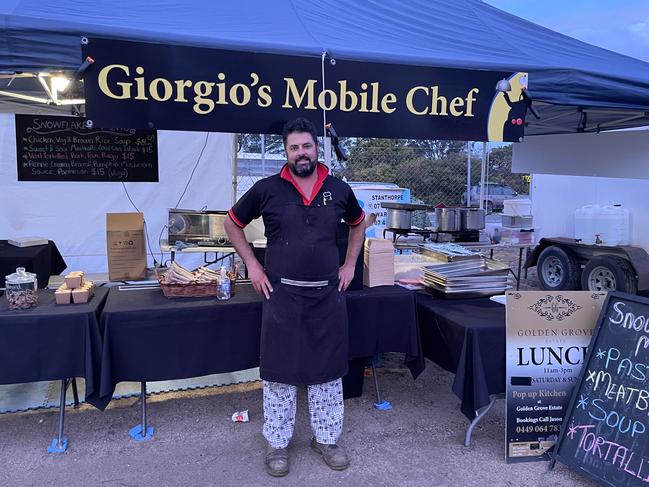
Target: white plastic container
[613, 225]
[517, 207]
[604, 225]
[626, 225]
[585, 219]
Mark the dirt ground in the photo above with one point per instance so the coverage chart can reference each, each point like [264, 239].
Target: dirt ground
[418, 442]
[529, 282]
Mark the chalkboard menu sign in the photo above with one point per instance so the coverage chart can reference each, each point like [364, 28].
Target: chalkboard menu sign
[63, 149]
[604, 434]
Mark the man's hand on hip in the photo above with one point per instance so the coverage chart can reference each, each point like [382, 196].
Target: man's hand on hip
[259, 280]
[345, 276]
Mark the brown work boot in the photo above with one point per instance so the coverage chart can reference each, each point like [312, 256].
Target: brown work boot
[333, 455]
[276, 461]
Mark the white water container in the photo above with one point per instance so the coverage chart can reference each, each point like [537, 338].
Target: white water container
[613, 225]
[585, 223]
[517, 207]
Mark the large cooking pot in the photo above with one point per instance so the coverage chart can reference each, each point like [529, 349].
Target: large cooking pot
[448, 219]
[473, 219]
[400, 214]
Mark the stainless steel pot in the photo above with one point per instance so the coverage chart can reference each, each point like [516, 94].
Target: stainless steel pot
[473, 219]
[399, 219]
[400, 214]
[448, 219]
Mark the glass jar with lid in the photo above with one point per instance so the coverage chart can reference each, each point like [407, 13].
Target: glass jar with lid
[21, 289]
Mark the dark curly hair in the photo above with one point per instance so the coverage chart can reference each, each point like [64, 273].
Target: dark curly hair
[299, 125]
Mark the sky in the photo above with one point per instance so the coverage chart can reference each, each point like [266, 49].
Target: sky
[617, 25]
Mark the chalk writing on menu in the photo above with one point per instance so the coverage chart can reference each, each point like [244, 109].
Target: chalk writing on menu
[62, 149]
[605, 434]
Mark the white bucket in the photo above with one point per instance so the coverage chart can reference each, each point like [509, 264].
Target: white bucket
[517, 207]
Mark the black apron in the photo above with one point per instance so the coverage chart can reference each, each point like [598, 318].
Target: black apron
[304, 337]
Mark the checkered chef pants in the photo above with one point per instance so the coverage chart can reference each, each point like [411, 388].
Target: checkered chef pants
[325, 408]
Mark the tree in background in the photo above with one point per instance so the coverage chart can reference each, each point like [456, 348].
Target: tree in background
[252, 143]
[438, 149]
[500, 170]
[434, 170]
[375, 160]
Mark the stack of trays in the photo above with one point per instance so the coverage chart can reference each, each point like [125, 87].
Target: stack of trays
[484, 277]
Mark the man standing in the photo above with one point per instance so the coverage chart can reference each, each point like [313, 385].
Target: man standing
[304, 337]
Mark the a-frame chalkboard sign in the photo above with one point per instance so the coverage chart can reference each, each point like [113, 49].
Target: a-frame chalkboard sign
[605, 433]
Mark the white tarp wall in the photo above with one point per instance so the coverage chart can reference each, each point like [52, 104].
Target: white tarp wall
[73, 214]
[623, 154]
[565, 170]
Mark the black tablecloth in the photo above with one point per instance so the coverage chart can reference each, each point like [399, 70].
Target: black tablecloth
[147, 337]
[384, 319]
[52, 342]
[466, 337]
[43, 260]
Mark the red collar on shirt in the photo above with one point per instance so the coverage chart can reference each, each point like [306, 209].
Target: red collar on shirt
[322, 171]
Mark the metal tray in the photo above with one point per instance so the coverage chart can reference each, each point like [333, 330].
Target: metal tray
[456, 268]
[449, 252]
[467, 279]
[466, 285]
[489, 268]
[404, 206]
[487, 279]
[463, 295]
[485, 291]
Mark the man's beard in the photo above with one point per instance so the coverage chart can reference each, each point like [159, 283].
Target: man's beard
[303, 171]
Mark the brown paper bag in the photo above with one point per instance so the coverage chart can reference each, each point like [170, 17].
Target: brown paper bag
[126, 250]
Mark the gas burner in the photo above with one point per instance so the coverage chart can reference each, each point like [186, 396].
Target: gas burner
[407, 232]
[463, 236]
[432, 235]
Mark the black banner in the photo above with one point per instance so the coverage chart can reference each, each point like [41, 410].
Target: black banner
[144, 85]
[63, 149]
[604, 434]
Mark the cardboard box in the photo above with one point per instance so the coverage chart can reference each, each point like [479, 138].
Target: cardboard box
[63, 294]
[126, 248]
[80, 295]
[74, 279]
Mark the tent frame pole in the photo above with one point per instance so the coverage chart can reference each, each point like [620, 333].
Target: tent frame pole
[483, 170]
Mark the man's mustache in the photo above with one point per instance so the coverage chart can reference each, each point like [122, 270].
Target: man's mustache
[303, 158]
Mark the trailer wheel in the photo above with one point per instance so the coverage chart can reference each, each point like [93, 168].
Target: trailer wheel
[557, 269]
[609, 273]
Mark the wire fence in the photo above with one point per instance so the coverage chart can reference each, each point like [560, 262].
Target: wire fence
[434, 171]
